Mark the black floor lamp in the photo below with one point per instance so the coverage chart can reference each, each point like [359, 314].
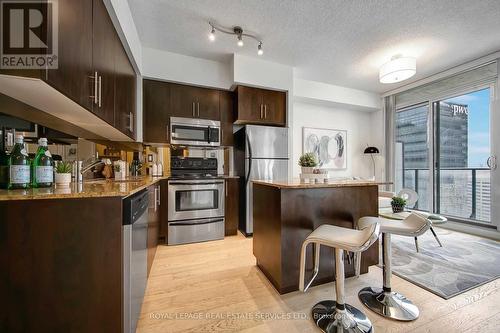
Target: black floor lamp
[372, 151]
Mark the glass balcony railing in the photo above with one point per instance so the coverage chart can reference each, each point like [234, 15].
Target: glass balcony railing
[461, 192]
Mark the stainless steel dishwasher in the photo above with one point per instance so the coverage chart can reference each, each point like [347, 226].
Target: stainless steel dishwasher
[135, 251]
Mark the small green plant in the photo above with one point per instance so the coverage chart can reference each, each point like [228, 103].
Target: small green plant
[398, 201]
[117, 167]
[308, 160]
[63, 167]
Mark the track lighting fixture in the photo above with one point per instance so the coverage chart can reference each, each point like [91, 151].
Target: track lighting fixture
[238, 32]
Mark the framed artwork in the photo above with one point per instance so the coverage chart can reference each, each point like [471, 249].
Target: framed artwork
[328, 145]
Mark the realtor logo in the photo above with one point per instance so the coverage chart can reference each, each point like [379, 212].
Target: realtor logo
[28, 34]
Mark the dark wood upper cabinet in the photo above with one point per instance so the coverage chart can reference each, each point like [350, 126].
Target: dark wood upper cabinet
[227, 117]
[207, 105]
[125, 92]
[103, 62]
[156, 111]
[260, 106]
[73, 75]
[90, 55]
[183, 101]
[194, 102]
[274, 107]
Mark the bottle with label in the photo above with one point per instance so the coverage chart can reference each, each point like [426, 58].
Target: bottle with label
[19, 165]
[4, 162]
[43, 166]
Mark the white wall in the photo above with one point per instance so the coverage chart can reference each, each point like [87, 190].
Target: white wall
[357, 123]
[164, 65]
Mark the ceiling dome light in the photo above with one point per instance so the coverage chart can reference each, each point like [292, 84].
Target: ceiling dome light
[211, 35]
[260, 51]
[398, 69]
[240, 41]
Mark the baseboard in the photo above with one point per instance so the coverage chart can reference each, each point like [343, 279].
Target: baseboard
[472, 230]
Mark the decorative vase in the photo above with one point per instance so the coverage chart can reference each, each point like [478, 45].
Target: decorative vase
[397, 208]
[63, 179]
[119, 175]
[307, 170]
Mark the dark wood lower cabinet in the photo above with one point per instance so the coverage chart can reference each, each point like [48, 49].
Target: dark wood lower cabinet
[153, 223]
[164, 210]
[283, 217]
[61, 265]
[231, 207]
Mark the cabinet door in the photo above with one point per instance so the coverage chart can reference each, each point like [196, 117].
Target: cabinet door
[72, 77]
[207, 104]
[156, 111]
[183, 101]
[274, 107]
[250, 105]
[227, 117]
[231, 207]
[153, 224]
[125, 92]
[103, 61]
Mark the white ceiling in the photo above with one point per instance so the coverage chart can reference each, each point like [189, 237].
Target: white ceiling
[333, 41]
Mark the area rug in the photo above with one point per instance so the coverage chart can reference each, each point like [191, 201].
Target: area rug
[464, 262]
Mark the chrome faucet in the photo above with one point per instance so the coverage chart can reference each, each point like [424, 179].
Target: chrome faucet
[91, 165]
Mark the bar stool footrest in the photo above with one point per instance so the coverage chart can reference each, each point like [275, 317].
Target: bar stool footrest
[391, 305]
[330, 320]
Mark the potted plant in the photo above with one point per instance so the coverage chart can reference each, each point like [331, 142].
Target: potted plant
[307, 163]
[398, 204]
[63, 174]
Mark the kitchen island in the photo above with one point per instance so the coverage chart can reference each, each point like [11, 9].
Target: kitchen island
[285, 212]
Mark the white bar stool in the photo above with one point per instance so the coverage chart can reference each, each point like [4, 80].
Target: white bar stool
[384, 301]
[337, 316]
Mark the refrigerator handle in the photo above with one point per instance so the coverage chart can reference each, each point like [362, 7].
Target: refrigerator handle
[249, 159]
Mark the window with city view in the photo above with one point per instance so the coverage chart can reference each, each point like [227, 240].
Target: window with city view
[462, 147]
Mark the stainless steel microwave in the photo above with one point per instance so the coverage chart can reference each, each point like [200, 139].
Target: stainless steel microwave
[195, 132]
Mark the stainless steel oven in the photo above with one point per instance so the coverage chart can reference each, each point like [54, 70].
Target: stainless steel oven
[195, 199]
[195, 210]
[194, 132]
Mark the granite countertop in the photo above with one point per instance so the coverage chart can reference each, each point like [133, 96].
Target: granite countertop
[295, 183]
[87, 189]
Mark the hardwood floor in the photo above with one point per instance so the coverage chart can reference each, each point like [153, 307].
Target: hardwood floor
[216, 287]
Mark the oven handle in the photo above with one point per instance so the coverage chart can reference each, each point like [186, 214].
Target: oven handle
[194, 183]
[185, 223]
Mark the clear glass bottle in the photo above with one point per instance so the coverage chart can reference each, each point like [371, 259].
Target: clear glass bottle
[42, 169]
[4, 162]
[19, 165]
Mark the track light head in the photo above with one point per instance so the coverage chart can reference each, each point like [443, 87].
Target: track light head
[211, 35]
[260, 51]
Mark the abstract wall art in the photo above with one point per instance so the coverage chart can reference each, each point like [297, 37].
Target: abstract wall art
[328, 145]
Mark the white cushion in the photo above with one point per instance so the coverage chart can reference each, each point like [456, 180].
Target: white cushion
[344, 238]
[414, 225]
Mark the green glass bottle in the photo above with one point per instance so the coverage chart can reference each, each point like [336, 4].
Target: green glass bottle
[19, 165]
[4, 162]
[42, 167]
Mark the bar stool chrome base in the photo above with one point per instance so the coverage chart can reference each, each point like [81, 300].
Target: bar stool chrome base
[329, 320]
[388, 304]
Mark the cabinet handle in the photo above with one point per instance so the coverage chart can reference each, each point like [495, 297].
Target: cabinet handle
[159, 195]
[261, 112]
[194, 115]
[94, 95]
[225, 188]
[198, 104]
[265, 111]
[131, 122]
[156, 197]
[100, 91]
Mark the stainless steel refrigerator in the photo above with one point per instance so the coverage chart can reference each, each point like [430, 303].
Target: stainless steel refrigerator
[261, 153]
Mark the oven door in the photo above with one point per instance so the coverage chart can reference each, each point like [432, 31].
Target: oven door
[194, 132]
[195, 199]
